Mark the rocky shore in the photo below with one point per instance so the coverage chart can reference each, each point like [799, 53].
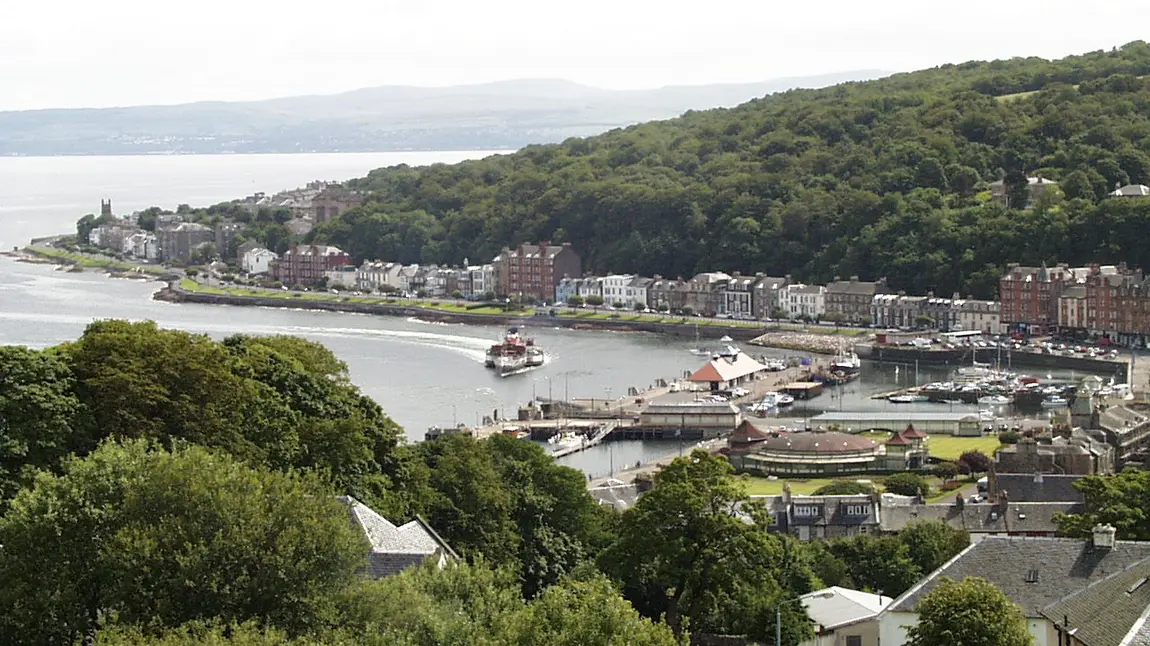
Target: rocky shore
[808, 341]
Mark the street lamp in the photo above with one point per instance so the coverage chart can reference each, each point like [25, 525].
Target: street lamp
[779, 612]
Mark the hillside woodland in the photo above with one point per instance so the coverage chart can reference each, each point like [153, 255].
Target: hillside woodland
[879, 178]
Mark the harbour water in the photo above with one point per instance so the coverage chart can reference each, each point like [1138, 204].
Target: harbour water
[422, 373]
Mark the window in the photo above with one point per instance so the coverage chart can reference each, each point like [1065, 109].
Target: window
[854, 640]
[1032, 576]
[858, 510]
[806, 510]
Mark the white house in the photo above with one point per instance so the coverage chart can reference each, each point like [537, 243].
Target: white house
[635, 293]
[803, 300]
[615, 289]
[142, 244]
[591, 286]
[257, 261]
[843, 617]
[341, 277]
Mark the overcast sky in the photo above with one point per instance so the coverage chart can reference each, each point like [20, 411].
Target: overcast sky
[80, 53]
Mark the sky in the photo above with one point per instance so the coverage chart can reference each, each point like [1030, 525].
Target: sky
[80, 53]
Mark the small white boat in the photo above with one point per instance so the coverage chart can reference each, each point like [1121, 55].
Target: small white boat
[907, 399]
[986, 416]
[994, 400]
[726, 339]
[1054, 401]
[785, 400]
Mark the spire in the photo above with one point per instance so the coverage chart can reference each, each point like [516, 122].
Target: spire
[1043, 273]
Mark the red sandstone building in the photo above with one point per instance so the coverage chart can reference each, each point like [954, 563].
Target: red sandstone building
[534, 270]
[1105, 300]
[307, 264]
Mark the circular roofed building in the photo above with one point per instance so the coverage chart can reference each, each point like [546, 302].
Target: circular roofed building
[767, 451]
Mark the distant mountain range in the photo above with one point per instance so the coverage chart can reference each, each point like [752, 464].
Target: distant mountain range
[507, 114]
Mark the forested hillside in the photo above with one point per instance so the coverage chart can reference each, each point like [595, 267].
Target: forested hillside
[881, 178]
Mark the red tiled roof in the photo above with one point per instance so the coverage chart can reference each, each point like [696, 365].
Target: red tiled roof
[913, 433]
[898, 440]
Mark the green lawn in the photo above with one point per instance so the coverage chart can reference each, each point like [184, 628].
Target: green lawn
[92, 262]
[945, 447]
[765, 487]
[757, 486]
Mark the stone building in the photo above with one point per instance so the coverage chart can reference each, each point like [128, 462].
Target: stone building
[765, 295]
[850, 300]
[531, 270]
[1080, 454]
[307, 264]
[179, 241]
[333, 201]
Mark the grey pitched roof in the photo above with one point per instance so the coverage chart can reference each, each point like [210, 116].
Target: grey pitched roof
[852, 287]
[1058, 566]
[1041, 487]
[1103, 613]
[981, 518]
[1139, 634]
[394, 548]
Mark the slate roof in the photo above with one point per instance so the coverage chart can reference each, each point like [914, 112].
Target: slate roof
[1055, 566]
[982, 518]
[1041, 487]
[620, 496]
[1103, 613]
[858, 288]
[842, 607]
[395, 548]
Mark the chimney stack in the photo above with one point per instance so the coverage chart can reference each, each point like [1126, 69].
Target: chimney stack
[1104, 537]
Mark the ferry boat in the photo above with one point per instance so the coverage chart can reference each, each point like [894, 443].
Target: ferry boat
[514, 354]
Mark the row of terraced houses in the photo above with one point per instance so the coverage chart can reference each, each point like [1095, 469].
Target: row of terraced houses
[1111, 301]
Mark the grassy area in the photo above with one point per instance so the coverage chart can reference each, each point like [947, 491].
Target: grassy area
[945, 447]
[94, 262]
[757, 486]
[766, 487]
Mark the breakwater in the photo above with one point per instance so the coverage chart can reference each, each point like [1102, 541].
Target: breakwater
[173, 293]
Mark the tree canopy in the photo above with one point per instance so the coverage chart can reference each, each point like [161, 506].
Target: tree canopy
[158, 538]
[972, 612]
[1121, 500]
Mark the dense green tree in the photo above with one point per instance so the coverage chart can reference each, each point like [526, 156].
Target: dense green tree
[39, 415]
[90, 221]
[151, 537]
[879, 564]
[946, 470]
[510, 503]
[684, 553]
[1121, 500]
[474, 605]
[906, 484]
[930, 543]
[974, 461]
[972, 612]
